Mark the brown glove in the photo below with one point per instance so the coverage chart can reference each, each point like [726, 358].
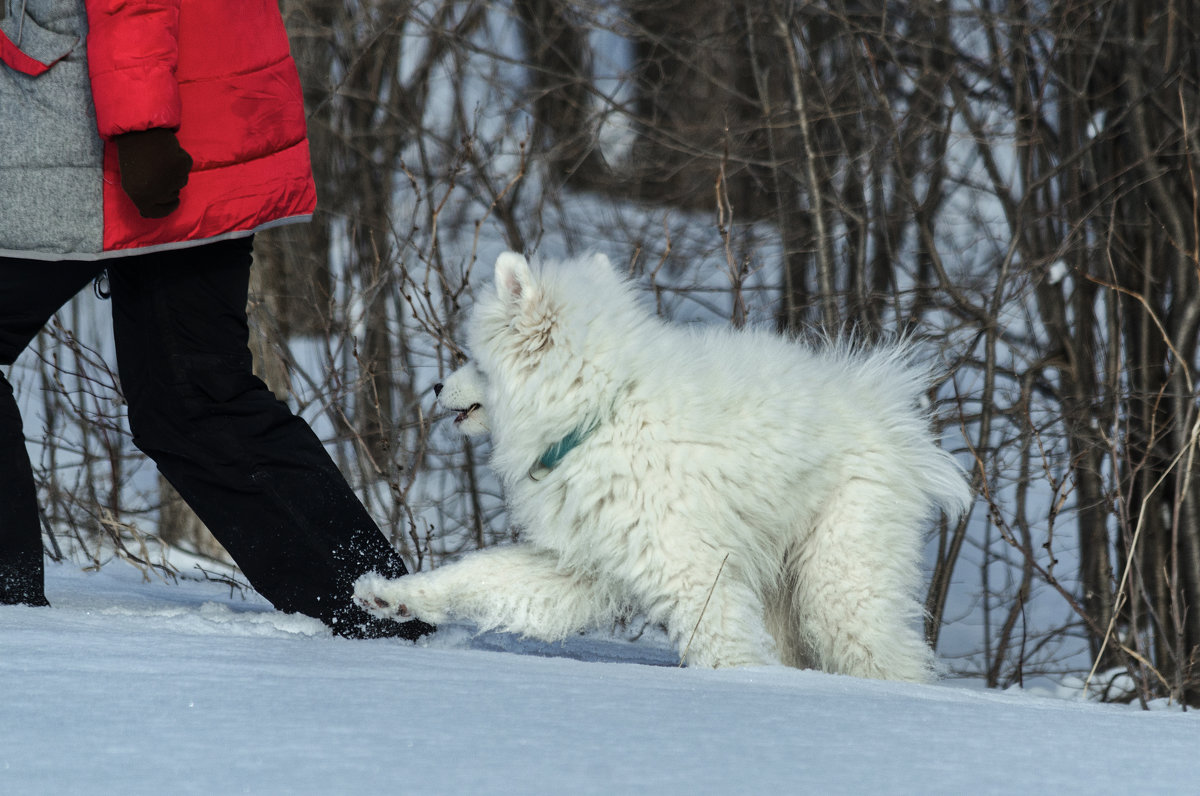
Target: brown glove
[153, 169]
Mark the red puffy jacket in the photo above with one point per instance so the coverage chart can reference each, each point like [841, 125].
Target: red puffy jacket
[220, 72]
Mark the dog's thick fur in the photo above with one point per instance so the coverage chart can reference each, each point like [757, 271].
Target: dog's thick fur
[763, 500]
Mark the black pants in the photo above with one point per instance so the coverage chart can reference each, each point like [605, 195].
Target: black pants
[254, 472]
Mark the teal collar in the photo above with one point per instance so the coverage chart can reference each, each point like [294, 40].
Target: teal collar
[558, 451]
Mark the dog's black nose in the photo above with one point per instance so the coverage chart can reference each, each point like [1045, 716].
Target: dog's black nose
[437, 389]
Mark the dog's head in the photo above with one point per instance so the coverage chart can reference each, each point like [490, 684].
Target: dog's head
[463, 393]
[550, 348]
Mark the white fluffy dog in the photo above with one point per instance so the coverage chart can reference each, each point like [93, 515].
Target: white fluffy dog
[762, 500]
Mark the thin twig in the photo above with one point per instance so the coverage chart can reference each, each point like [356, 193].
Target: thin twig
[713, 588]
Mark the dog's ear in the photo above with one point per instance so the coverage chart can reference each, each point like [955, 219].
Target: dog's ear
[514, 279]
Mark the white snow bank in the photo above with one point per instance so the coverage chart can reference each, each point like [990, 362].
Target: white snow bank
[131, 687]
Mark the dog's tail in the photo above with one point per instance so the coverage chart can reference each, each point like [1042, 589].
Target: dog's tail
[945, 483]
[895, 373]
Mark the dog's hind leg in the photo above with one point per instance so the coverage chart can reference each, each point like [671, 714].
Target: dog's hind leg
[856, 578]
[712, 618]
[515, 588]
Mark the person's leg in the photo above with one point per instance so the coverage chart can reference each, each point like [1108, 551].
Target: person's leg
[30, 292]
[255, 473]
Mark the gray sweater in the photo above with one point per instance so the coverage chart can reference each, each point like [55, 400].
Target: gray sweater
[51, 156]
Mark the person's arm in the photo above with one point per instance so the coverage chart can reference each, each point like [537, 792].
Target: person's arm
[133, 52]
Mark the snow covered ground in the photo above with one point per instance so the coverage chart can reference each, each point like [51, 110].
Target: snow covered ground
[131, 687]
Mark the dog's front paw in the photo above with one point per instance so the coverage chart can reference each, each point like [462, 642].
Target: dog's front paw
[382, 597]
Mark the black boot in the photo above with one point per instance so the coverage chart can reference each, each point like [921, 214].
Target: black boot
[21, 569]
[21, 583]
[358, 624]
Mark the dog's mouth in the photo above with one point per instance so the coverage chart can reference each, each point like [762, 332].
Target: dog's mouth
[463, 414]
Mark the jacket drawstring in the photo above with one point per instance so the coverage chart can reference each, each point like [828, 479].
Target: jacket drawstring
[21, 24]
